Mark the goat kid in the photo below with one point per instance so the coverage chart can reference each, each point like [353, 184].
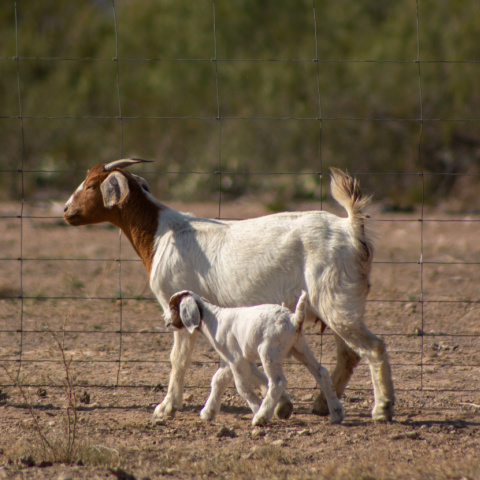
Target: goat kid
[241, 336]
[269, 259]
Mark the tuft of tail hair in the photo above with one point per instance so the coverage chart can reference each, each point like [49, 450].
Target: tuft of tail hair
[346, 191]
[300, 311]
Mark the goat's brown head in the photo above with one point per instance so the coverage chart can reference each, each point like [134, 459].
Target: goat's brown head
[104, 189]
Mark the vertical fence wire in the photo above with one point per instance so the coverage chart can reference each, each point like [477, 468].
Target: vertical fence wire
[320, 128]
[21, 170]
[219, 119]
[422, 206]
[120, 118]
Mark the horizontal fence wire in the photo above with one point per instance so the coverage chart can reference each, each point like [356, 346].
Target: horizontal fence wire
[21, 323]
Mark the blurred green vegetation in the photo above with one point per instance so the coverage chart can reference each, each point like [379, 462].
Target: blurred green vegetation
[93, 84]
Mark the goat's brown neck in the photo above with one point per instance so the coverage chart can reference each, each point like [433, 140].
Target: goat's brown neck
[139, 223]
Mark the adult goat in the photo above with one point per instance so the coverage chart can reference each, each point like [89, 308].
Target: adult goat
[269, 259]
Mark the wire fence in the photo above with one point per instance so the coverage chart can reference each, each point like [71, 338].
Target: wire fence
[88, 286]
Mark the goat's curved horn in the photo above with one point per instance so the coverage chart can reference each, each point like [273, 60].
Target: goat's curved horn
[125, 162]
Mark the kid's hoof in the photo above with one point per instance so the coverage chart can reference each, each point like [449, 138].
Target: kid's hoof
[207, 415]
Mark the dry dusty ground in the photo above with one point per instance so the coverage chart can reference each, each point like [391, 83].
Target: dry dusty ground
[424, 302]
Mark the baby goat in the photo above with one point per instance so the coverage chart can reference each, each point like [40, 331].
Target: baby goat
[269, 259]
[269, 333]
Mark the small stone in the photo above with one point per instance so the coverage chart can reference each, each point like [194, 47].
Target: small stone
[258, 432]
[226, 432]
[159, 421]
[122, 474]
[42, 392]
[64, 476]
[400, 436]
[307, 398]
[28, 461]
[355, 399]
[84, 398]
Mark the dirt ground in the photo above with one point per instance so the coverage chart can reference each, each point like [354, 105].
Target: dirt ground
[55, 279]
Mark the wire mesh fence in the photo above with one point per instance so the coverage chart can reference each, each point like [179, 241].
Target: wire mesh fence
[89, 286]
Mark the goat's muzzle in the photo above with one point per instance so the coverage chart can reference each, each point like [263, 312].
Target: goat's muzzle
[72, 218]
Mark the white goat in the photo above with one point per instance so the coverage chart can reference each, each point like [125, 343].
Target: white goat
[269, 333]
[270, 259]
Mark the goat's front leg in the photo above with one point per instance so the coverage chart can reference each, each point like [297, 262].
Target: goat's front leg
[241, 370]
[183, 343]
[222, 378]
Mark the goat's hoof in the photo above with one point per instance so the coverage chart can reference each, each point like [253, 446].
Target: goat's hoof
[383, 413]
[284, 409]
[337, 416]
[163, 411]
[259, 421]
[207, 415]
[320, 406]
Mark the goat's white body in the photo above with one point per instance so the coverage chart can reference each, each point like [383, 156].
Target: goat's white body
[249, 262]
[242, 336]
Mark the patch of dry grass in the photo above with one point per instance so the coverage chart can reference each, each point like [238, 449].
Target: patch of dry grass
[272, 463]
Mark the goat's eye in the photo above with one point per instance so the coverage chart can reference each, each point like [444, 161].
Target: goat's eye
[91, 187]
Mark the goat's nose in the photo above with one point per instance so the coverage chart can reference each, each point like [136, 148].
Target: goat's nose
[65, 208]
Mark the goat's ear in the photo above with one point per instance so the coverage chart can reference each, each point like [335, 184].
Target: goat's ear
[189, 313]
[114, 189]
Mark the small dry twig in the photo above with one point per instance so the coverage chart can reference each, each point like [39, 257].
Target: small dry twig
[44, 440]
[71, 422]
[69, 392]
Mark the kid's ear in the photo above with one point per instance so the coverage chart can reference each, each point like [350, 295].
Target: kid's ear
[189, 313]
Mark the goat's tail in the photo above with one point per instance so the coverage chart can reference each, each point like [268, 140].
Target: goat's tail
[300, 311]
[346, 191]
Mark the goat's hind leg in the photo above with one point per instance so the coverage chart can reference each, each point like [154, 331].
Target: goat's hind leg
[284, 407]
[380, 370]
[183, 343]
[277, 383]
[347, 360]
[373, 350]
[303, 354]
